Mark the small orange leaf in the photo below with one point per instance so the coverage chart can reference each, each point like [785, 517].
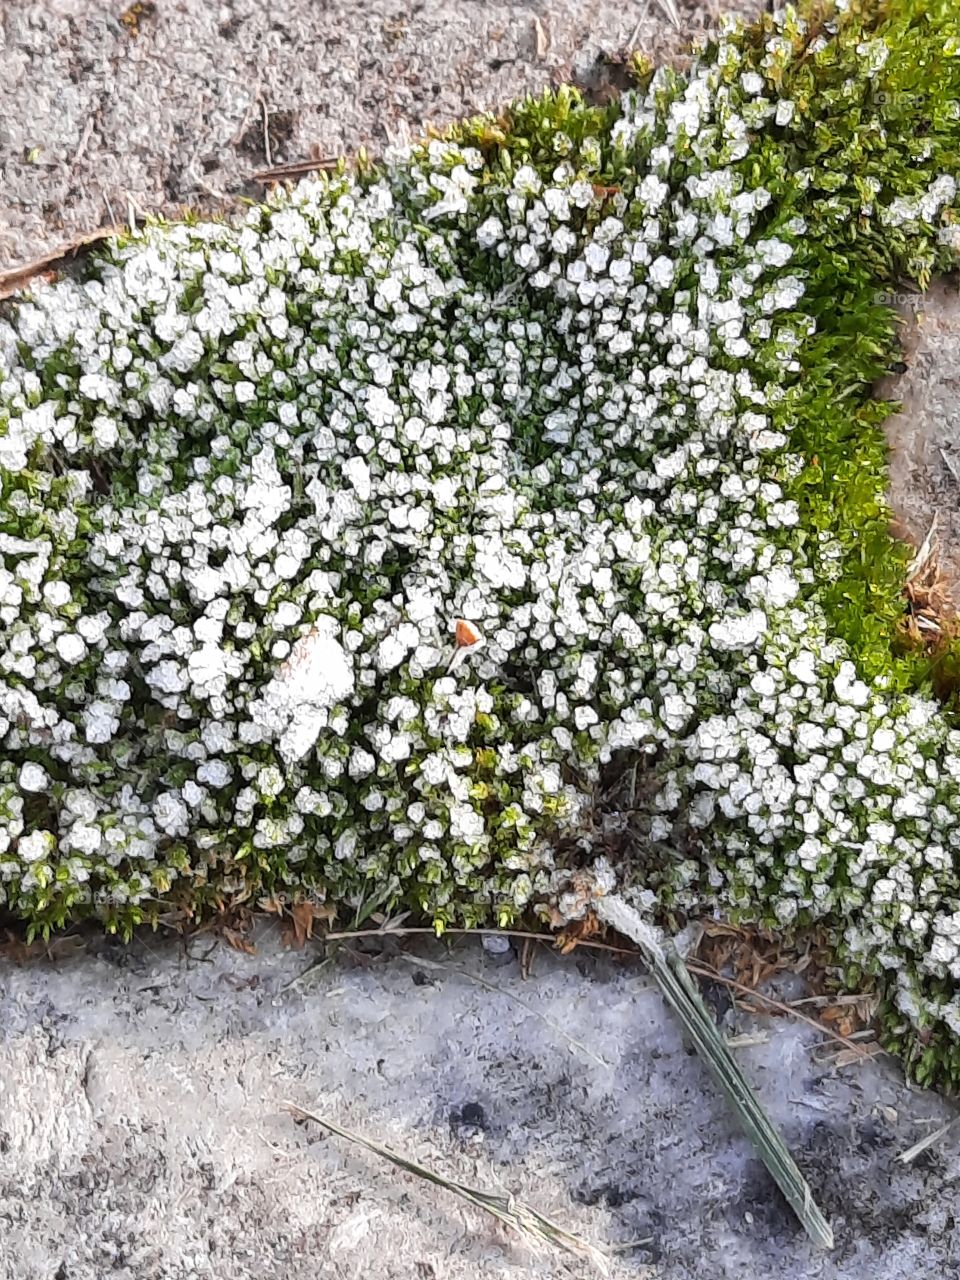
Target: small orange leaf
[467, 633]
[578, 931]
[302, 916]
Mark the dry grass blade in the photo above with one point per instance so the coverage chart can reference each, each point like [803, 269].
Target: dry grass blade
[293, 169]
[670, 971]
[533, 1226]
[931, 615]
[21, 277]
[918, 1148]
[927, 553]
[671, 13]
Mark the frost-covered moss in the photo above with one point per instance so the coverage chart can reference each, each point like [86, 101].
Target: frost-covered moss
[341, 550]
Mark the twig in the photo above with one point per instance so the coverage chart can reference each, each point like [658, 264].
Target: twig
[241, 128]
[340, 935]
[135, 212]
[626, 1246]
[317, 967]
[534, 1226]
[526, 959]
[84, 139]
[202, 185]
[669, 8]
[927, 549]
[20, 277]
[293, 169]
[705, 971]
[748, 1039]
[267, 151]
[632, 37]
[680, 992]
[918, 1148]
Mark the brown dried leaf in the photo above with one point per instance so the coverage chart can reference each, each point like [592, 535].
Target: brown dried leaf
[578, 931]
[850, 1015]
[235, 939]
[302, 917]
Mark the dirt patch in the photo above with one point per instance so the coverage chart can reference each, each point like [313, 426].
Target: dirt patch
[143, 1135]
[112, 109]
[924, 437]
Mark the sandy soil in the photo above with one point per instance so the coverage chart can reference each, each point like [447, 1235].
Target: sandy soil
[925, 435]
[143, 1136]
[180, 101]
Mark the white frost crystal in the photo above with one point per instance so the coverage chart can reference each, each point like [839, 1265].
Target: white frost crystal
[71, 648]
[316, 676]
[34, 778]
[294, 457]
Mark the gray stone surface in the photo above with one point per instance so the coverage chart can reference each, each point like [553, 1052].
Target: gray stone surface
[97, 120]
[142, 1133]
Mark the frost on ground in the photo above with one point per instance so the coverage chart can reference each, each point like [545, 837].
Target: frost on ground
[546, 380]
[142, 1135]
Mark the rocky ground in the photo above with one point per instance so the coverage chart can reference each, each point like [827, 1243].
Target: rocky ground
[143, 1134]
[112, 110]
